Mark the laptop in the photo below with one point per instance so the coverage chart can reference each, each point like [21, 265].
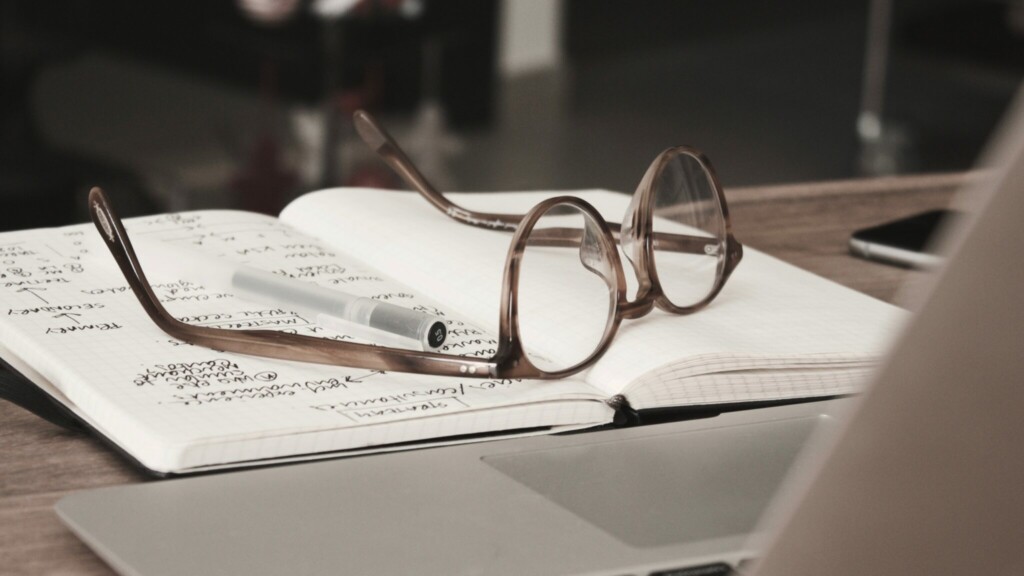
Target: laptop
[925, 473]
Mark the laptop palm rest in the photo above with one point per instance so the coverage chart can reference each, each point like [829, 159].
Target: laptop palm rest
[515, 507]
[679, 487]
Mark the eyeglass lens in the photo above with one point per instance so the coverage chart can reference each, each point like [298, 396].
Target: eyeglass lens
[565, 292]
[685, 202]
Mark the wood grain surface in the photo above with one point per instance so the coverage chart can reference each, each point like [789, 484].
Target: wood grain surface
[807, 225]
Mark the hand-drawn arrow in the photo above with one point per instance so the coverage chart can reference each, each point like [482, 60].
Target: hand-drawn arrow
[69, 315]
[32, 291]
[364, 376]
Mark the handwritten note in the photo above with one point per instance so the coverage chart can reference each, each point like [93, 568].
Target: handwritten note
[68, 312]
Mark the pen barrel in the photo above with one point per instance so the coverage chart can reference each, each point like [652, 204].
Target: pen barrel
[315, 300]
[318, 303]
[426, 329]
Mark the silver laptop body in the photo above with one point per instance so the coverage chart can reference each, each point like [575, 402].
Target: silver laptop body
[605, 502]
[927, 476]
[680, 498]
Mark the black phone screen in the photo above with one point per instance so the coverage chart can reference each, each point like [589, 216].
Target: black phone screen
[912, 233]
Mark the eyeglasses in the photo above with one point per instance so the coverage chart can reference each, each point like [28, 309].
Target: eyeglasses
[564, 291]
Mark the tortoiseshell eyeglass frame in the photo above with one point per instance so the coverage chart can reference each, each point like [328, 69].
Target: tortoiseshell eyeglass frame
[639, 241]
[510, 360]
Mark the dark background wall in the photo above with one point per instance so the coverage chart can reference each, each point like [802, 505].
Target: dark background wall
[143, 96]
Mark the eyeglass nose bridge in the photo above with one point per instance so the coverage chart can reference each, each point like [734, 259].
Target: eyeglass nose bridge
[638, 308]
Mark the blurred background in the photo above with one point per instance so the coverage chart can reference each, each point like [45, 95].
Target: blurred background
[247, 103]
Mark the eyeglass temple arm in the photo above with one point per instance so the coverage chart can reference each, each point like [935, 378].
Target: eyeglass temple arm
[378, 139]
[268, 343]
[568, 237]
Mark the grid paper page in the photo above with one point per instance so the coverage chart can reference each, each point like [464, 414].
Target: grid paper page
[767, 311]
[69, 314]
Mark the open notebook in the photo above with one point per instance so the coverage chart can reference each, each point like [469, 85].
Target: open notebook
[73, 327]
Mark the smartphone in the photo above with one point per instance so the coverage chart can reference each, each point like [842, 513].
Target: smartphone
[904, 242]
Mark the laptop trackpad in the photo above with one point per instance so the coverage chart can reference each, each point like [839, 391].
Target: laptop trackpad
[666, 489]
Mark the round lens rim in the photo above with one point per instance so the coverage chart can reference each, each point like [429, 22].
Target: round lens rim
[511, 354]
[642, 232]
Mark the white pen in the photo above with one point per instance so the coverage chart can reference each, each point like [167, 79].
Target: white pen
[325, 306]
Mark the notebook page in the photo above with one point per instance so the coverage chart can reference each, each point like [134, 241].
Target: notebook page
[69, 314]
[445, 430]
[666, 387]
[768, 310]
[769, 315]
[408, 238]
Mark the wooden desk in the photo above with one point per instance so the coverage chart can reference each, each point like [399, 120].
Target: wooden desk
[807, 225]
